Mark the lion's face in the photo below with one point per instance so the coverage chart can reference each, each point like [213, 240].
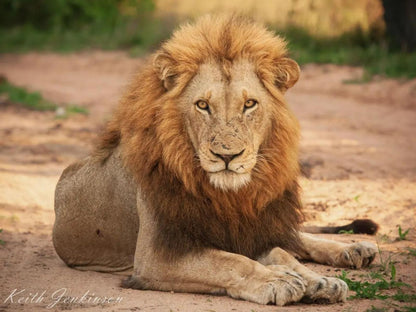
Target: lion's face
[227, 118]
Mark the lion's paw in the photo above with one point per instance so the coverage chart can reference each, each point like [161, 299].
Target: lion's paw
[326, 290]
[278, 288]
[357, 255]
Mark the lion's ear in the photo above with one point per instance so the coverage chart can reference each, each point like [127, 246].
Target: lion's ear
[163, 65]
[287, 73]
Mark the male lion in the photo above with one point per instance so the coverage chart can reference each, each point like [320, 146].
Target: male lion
[195, 178]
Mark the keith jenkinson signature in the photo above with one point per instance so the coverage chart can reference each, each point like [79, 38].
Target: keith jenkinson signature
[62, 295]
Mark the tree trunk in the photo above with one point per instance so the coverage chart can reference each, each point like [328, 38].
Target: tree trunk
[400, 18]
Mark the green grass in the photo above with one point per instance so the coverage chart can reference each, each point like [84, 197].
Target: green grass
[35, 101]
[402, 297]
[346, 232]
[2, 242]
[75, 109]
[376, 309]
[31, 100]
[366, 290]
[386, 263]
[376, 287]
[71, 25]
[411, 251]
[351, 49]
[357, 198]
[124, 35]
[402, 234]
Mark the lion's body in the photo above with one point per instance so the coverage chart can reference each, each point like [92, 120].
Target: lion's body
[195, 178]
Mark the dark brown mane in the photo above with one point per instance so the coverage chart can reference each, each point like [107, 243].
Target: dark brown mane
[187, 223]
[190, 212]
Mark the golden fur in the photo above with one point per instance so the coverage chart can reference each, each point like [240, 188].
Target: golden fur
[195, 235]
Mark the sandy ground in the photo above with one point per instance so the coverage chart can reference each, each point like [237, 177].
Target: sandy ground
[358, 141]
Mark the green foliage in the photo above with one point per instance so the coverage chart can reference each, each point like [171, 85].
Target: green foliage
[74, 109]
[357, 197]
[374, 289]
[412, 251]
[403, 234]
[35, 101]
[2, 242]
[386, 263]
[74, 14]
[375, 309]
[354, 49]
[365, 290]
[402, 297]
[31, 100]
[68, 25]
[392, 271]
[346, 232]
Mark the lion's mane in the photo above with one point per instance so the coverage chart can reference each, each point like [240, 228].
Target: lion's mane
[189, 212]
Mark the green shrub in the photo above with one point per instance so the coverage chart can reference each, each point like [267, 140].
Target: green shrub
[68, 25]
[355, 49]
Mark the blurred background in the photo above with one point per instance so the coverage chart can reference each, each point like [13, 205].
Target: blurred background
[64, 64]
[379, 35]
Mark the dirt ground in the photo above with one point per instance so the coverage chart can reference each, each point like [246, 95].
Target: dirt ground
[359, 143]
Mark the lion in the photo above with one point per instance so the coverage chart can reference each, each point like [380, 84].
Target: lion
[194, 182]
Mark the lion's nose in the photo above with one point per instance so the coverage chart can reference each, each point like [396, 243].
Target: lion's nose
[227, 158]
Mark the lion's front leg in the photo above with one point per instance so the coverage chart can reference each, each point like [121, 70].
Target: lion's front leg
[208, 271]
[220, 272]
[356, 255]
[319, 288]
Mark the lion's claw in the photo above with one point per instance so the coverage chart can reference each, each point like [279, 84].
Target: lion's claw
[279, 288]
[326, 290]
[357, 255]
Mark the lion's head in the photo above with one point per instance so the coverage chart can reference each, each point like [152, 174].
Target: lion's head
[209, 109]
[236, 73]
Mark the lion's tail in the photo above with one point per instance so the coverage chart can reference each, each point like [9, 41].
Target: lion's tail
[359, 226]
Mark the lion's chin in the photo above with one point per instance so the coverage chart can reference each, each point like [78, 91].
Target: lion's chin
[229, 180]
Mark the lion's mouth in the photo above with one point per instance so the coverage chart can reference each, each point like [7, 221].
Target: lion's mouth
[229, 180]
[241, 169]
[224, 171]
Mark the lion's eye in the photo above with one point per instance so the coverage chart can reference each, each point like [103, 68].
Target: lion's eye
[203, 105]
[250, 104]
